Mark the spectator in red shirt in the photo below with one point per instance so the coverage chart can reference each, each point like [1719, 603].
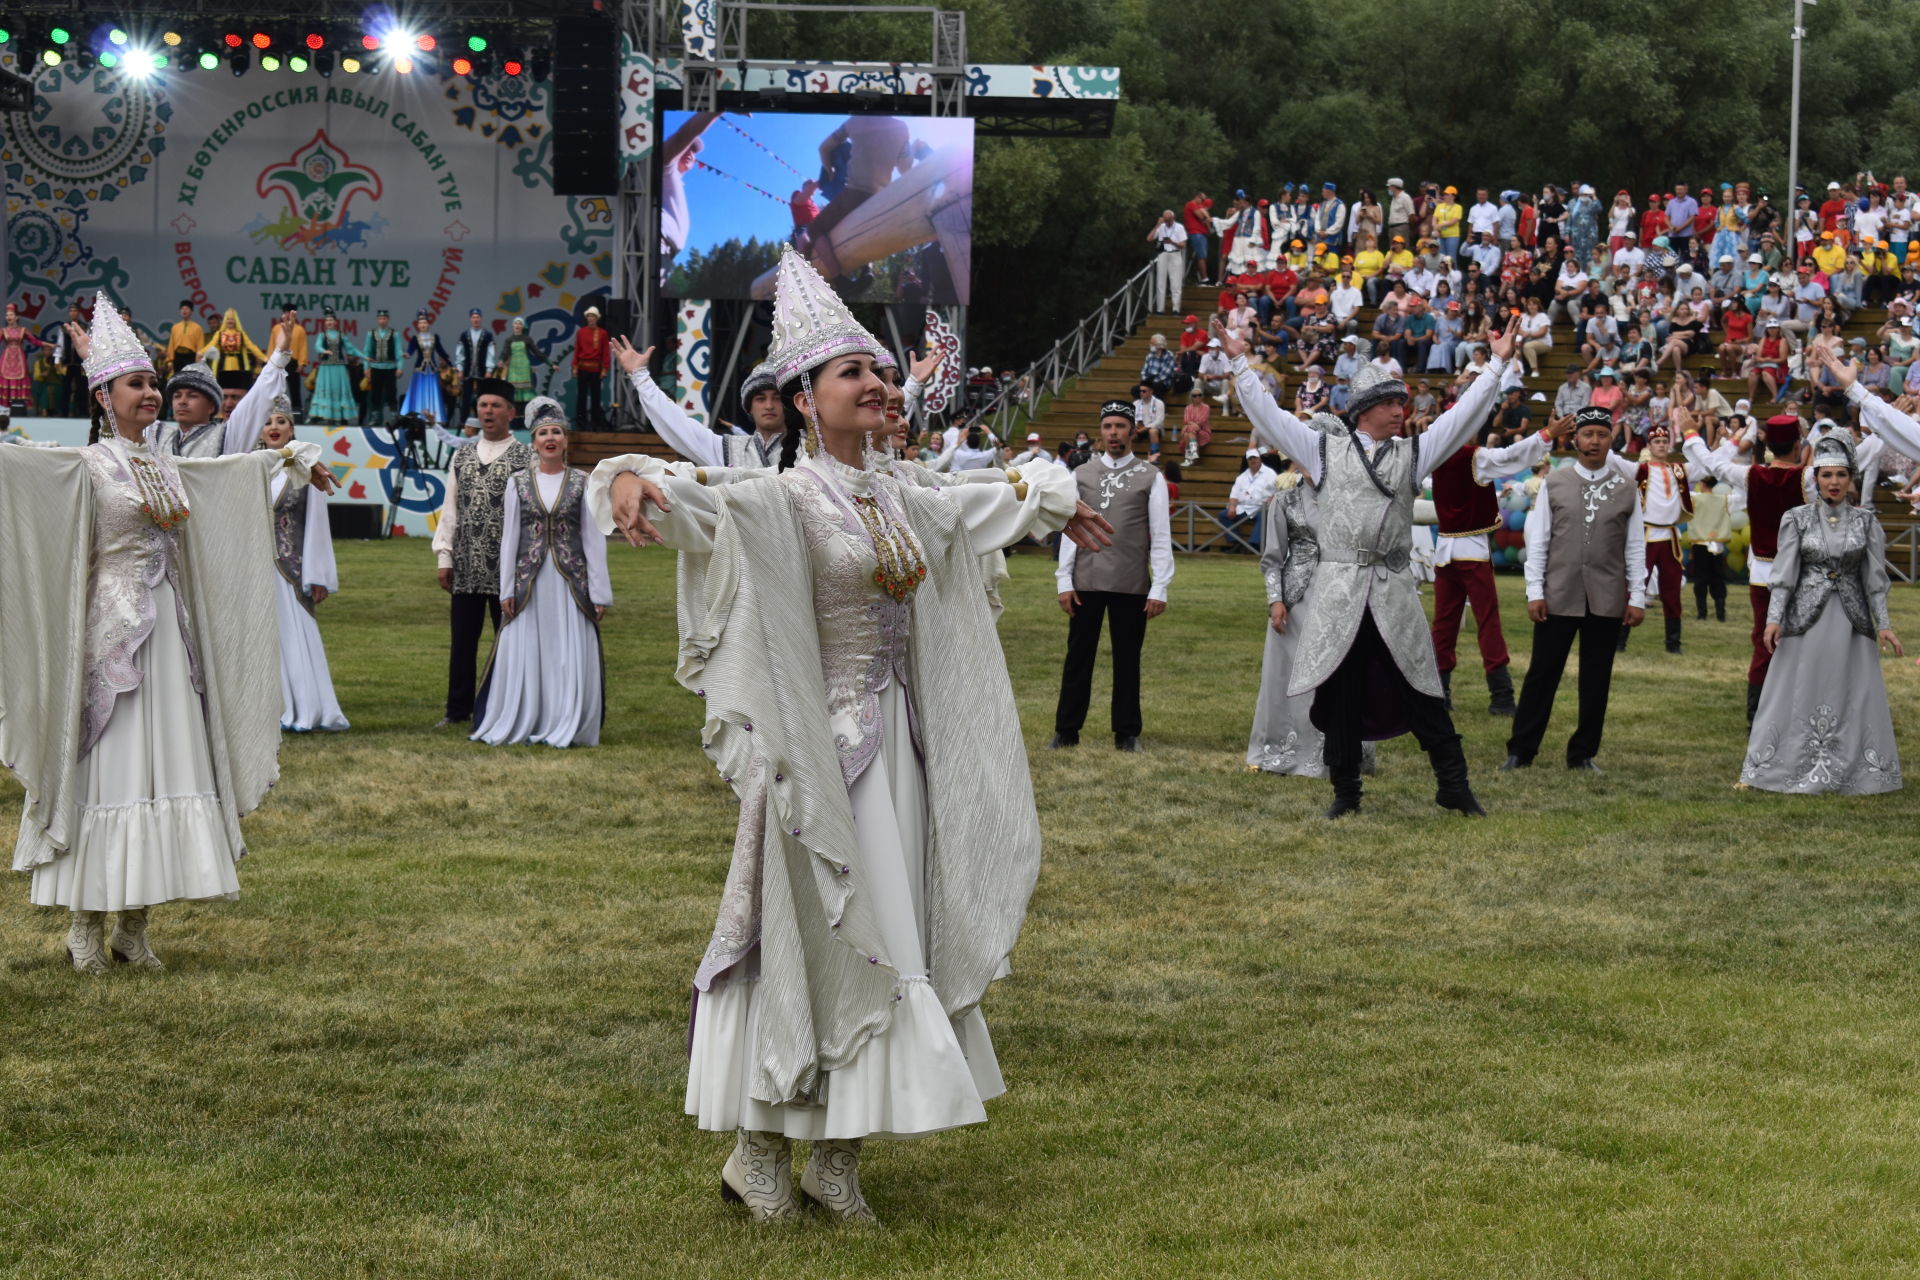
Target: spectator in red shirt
[1654, 221]
[589, 367]
[1193, 336]
[1198, 220]
[1281, 280]
[1834, 211]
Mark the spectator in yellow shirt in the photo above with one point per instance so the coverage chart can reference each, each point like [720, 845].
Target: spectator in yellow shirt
[1367, 260]
[1297, 257]
[1883, 273]
[1446, 222]
[1399, 259]
[1326, 259]
[1831, 256]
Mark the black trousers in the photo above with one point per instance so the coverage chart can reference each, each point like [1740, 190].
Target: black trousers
[1126, 618]
[1341, 702]
[1709, 577]
[382, 401]
[1552, 642]
[587, 407]
[72, 392]
[470, 612]
[296, 387]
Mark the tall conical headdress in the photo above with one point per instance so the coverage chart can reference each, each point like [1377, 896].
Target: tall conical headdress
[811, 325]
[113, 347]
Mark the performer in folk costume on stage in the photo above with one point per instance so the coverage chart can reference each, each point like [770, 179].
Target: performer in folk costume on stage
[1668, 504]
[1586, 578]
[518, 355]
[1125, 584]
[1469, 509]
[383, 370]
[473, 357]
[185, 340]
[231, 351]
[466, 540]
[303, 555]
[590, 365]
[544, 681]
[290, 334]
[1823, 724]
[16, 380]
[428, 358]
[1366, 650]
[1284, 739]
[833, 620]
[136, 701]
[333, 403]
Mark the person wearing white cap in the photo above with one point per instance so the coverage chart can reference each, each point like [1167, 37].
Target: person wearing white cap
[590, 364]
[139, 703]
[1399, 212]
[1036, 451]
[1252, 490]
[833, 621]
[1215, 375]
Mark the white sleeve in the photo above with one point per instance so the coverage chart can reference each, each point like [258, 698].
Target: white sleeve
[1063, 568]
[945, 460]
[688, 526]
[317, 568]
[1274, 426]
[594, 543]
[1637, 556]
[999, 515]
[1451, 429]
[244, 423]
[1887, 422]
[1160, 535]
[443, 528]
[1539, 532]
[509, 540]
[689, 439]
[1716, 463]
[1491, 464]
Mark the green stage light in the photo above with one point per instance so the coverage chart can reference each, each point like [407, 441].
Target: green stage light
[60, 35]
[116, 36]
[269, 62]
[477, 44]
[109, 59]
[296, 63]
[209, 61]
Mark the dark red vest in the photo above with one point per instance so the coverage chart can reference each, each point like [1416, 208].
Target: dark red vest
[1465, 506]
[1771, 493]
[1679, 478]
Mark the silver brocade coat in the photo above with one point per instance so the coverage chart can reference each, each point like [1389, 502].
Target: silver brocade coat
[1848, 560]
[1365, 522]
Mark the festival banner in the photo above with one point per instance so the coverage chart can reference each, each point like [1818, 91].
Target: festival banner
[943, 339]
[693, 356]
[409, 193]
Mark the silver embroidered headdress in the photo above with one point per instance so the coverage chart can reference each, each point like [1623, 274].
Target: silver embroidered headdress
[811, 325]
[1834, 450]
[113, 347]
[545, 409]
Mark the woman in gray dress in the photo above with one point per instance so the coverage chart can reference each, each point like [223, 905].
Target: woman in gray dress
[1824, 724]
[1283, 739]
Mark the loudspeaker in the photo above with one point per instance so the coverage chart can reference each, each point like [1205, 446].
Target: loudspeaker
[585, 112]
[616, 314]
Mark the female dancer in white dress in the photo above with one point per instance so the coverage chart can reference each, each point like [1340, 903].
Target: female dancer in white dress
[303, 554]
[544, 681]
[835, 631]
[1823, 723]
[136, 702]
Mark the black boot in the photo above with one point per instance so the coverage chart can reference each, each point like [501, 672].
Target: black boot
[1446, 688]
[1673, 635]
[1720, 609]
[1450, 779]
[1500, 686]
[1621, 645]
[1753, 702]
[1346, 794]
[1700, 607]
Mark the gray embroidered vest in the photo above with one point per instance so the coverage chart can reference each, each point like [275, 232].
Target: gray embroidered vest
[1365, 524]
[290, 538]
[1831, 565]
[1587, 557]
[480, 514]
[551, 534]
[744, 451]
[1292, 547]
[1120, 494]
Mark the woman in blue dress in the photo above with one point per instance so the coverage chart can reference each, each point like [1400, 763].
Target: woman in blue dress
[429, 357]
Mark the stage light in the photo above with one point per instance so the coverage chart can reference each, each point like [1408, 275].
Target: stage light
[171, 39]
[269, 62]
[239, 60]
[116, 36]
[540, 65]
[397, 41]
[6, 36]
[425, 44]
[209, 61]
[261, 40]
[297, 64]
[476, 44]
[232, 40]
[140, 64]
[513, 66]
[403, 65]
[109, 59]
[60, 35]
[463, 66]
[323, 63]
[316, 41]
[350, 65]
[370, 43]
[50, 56]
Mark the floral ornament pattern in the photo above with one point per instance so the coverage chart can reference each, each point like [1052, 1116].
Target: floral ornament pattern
[89, 136]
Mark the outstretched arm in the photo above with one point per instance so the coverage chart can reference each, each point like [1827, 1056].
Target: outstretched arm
[1272, 425]
[244, 423]
[1451, 429]
[688, 437]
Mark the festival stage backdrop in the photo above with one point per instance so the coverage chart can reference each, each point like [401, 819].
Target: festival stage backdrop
[883, 204]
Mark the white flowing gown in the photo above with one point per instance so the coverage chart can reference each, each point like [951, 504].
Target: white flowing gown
[307, 699]
[544, 681]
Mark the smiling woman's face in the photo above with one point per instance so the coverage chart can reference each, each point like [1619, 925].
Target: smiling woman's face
[849, 396]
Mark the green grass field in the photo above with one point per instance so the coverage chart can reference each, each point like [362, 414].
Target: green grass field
[1639, 1025]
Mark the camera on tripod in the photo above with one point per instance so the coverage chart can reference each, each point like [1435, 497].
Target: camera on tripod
[410, 440]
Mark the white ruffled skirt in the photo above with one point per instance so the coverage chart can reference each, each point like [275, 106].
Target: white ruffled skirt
[543, 682]
[307, 701]
[151, 830]
[925, 1072]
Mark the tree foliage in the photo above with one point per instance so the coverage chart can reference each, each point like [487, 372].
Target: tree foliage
[1619, 93]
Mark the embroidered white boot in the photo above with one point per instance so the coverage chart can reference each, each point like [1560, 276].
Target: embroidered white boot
[832, 1180]
[759, 1175]
[85, 945]
[129, 941]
